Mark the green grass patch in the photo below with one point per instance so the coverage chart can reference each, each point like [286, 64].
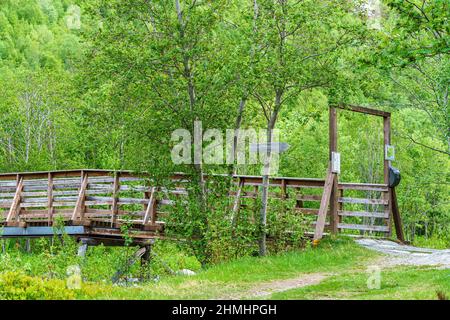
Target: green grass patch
[404, 283]
[432, 242]
[233, 278]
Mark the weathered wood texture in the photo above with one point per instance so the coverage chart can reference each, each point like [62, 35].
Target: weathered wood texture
[103, 200]
[321, 219]
[376, 203]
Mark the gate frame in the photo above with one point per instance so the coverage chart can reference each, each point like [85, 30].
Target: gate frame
[333, 147]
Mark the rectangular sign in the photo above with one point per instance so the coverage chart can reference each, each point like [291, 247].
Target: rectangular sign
[336, 162]
[273, 147]
[389, 152]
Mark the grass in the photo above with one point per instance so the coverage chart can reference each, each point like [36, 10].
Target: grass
[234, 278]
[341, 259]
[433, 242]
[405, 283]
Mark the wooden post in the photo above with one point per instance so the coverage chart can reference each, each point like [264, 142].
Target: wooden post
[237, 199]
[321, 216]
[115, 196]
[396, 216]
[79, 206]
[145, 258]
[334, 218]
[50, 198]
[15, 206]
[237, 204]
[150, 210]
[387, 140]
[284, 194]
[387, 195]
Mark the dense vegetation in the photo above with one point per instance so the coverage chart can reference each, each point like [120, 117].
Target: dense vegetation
[103, 83]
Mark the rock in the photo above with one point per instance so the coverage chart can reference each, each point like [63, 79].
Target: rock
[186, 272]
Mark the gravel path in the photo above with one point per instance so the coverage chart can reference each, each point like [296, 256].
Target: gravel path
[396, 254]
[408, 255]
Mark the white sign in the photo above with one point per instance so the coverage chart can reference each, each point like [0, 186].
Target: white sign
[389, 152]
[335, 162]
[273, 147]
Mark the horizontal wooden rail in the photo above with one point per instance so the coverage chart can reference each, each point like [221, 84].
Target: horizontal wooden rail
[106, 199]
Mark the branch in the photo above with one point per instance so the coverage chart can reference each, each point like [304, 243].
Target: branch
[424, 145]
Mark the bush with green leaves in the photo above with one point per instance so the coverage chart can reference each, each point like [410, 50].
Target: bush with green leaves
[16, 285]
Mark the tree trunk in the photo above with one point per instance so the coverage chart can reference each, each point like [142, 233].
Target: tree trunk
[265, 177]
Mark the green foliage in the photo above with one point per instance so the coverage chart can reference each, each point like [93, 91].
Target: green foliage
[18, 286]
[109, 94]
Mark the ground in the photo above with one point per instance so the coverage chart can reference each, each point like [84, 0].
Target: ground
[398, 254]
[339, 268]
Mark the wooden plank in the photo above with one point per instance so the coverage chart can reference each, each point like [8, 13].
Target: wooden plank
[115, 196]
[150, 212]
[334, 206]
[79, 206]
[166, 202]
[364, 110]
[363, 227]
[14, 210]
[99, 186]
[123, 201]
[24, 194]
[75, 192]
[237, 199]
[133, 188]
[237, 204]
[333, 136]
[321, 216]
[396, 216]
[309, 197]
[362, 201]
[307, 211]
[100, 199]
[363, 214]
[36, 200]
[50, 198]
[363, 186]
[387, 140]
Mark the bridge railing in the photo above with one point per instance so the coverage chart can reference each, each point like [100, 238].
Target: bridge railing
[78, 197]
[104, 200]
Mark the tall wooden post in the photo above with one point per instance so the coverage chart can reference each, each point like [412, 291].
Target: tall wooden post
[387, 141]
[334, 217]
[115, 196]
[392, 207]
[50, 199]
[387, 195]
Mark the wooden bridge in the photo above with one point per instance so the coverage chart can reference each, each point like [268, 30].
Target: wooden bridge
[95, 204]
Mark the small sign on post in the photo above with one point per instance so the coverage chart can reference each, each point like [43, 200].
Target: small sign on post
[389, 152]
[336, 162]
[277, 147]
[270, 163]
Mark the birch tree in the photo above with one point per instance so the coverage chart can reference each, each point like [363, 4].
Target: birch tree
[298, 44]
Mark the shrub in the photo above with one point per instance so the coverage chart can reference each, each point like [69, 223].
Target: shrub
[18, 286]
